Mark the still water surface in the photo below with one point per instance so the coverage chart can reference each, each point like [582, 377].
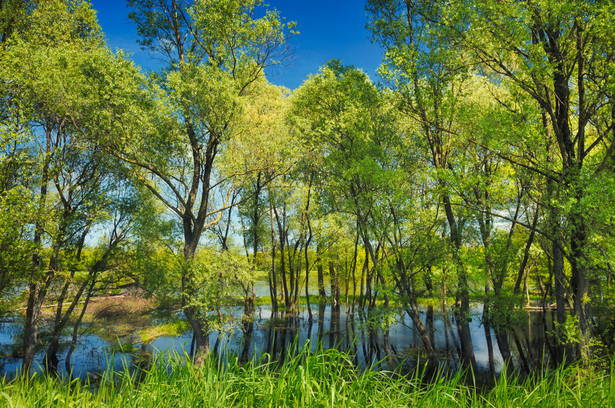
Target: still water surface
[377, 346]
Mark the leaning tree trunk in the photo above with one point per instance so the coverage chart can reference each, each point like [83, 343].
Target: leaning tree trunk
[77, 324]
[33, 308]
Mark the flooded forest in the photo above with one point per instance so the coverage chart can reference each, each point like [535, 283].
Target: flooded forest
[455, 212]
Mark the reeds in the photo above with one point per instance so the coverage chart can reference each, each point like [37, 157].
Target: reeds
[304, 379]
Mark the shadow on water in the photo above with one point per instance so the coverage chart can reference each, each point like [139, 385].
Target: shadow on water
[382, 340]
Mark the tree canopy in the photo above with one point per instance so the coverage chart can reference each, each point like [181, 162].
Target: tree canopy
[477, 166]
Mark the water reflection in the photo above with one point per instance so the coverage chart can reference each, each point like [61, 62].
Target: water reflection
[382, 338]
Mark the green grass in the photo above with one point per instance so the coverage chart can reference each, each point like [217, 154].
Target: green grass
[174, 327]
[323, 379]
[119, 347]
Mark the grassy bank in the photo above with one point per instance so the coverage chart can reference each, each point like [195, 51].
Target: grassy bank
[326, 379]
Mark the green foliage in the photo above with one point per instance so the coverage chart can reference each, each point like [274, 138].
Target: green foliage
[173, 328]
[16, 211]
[222, 33]
[347, 128]
[120, 347]
[484, 156]
[219, 276]
[506, 311]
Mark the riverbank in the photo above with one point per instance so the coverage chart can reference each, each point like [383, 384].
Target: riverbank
[323, 379]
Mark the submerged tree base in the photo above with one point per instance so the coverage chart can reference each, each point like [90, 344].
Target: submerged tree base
[305, 380]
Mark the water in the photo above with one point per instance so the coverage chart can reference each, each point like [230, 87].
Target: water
[381, 346]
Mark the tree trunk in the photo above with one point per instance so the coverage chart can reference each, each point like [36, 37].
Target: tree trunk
[526, 253]
[198, 323]
[282, 240]
[273, 287]
[73, 343]
[321, 276]
[31, 331]
[579, 283]
[335, 287]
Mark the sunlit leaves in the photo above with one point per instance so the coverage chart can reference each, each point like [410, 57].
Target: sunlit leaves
[347, 128]
[218, 275]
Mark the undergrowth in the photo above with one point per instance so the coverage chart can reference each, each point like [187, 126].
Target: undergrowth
[321, 379]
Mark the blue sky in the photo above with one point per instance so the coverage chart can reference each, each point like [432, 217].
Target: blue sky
[328, 29]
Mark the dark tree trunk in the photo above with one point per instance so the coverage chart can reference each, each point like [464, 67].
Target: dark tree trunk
[273, 287]
[199, 325]
[322, 293]
[306, 248]
[364, 271]
[335, 286]
[526, 253]
[411, 307]
[73, 344]
[462, 310]
[36, 292]
[282, 240]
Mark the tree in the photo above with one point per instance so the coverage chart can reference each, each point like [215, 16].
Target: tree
[427, 74]
[559, 56]
[351, 133]
[13, 17]
[216, 53]
[44, 68]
